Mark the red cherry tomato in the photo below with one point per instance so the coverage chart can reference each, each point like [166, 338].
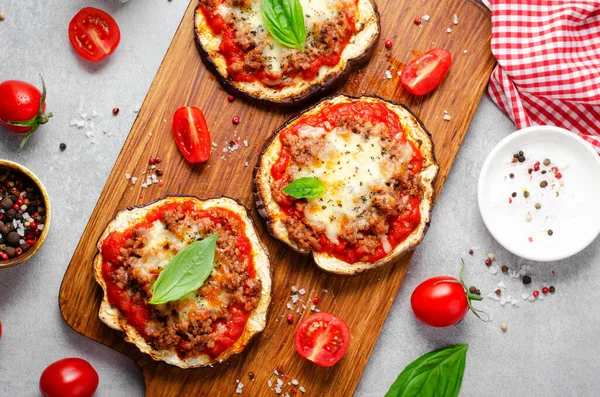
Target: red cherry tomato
[439, 301]
[191, 134]
[94, 34]
[20, 106]
[69, 377]
[322, 338]
[426, 71]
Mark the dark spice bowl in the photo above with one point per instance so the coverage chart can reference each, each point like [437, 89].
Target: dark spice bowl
[25, 247]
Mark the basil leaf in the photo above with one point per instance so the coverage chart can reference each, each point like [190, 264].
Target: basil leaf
[309, 188]
[186, 272]
[437, 373]
[284, 20]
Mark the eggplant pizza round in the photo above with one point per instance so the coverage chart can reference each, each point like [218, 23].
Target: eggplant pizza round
[350, 180]
[235, 42]
[210, 323]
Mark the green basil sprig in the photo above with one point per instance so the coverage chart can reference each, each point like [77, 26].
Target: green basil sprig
[308, 187]
[437, 373]
[186, 272]
[284, 20]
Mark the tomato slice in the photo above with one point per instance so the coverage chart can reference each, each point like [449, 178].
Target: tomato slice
[426, 71]
[191, 134]
[94, 34]
[322, 338]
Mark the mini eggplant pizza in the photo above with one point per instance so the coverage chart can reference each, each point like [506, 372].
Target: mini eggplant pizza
[350, 180]
[204, 326]
[235, 42]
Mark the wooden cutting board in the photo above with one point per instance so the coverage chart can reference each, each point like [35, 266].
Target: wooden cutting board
[363, 300]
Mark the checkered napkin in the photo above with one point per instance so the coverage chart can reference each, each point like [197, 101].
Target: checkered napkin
[548, 71]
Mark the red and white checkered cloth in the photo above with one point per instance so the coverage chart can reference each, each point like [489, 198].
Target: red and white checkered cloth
[548, 72]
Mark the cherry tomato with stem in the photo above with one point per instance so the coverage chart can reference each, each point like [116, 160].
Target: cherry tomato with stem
[22, 107]
[322, 338]
[426, 71]
[443, 301]
[69, 377]
[94, 34]
[191, 134]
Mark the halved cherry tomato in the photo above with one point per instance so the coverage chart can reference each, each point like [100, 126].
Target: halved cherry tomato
[94, 34]
[322, 338]
[426, 71]
[69, 377]
[191, 134]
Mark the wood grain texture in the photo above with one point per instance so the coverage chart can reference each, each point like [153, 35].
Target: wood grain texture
[364, 300]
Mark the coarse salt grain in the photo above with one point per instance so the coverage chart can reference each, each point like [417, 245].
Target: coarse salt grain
[80, 124]
[83, 115]
[455, 19]
[295, 298]
[245, 143]
[302, 389]
[449, 30]
[447, 117]
[295, 382]
[127, 176]
[94, 113]
[426, 17]
[387, 75]
[134, 180]
[246, 164]
[74, 122]
[465, 51]
[302, 291]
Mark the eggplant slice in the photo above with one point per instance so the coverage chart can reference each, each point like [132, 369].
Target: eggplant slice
[115, 319]
[270, 210]
[299, 90]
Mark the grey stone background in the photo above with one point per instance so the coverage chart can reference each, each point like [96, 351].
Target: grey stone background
[551, 347]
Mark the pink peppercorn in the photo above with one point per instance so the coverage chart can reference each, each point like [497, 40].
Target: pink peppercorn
[536, 293]
[544, 290]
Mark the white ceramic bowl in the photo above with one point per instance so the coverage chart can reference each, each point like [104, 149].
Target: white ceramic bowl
[572, 215]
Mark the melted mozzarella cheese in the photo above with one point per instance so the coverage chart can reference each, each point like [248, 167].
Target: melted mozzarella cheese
[160, 246]
[350, 166]
[316, 12]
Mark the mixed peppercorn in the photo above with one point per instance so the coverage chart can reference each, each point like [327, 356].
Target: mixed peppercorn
[22, 213]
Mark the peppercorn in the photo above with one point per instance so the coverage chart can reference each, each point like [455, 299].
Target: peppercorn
[10, 214]
[6, 203]
[251, 376]
[526, 280]
[159, 172]
[521, 159]
[550, 232]
[470, 252]
[280, 369]
[488, 261]
[504, 269]
[472, 290]
[543, 184]
[235, 120]
[230, 98]
[63, 147]
[511, 175]
[538, 206]
[547, 162]
[529, 171]
[504, 327]
[551, 289]
[520, 153]
[13, 239]
[115, 111]
[10, 251]
[514, 194]
[526, 194]
[290, 319]
[543, 172]
[498, 292]
[478, 292]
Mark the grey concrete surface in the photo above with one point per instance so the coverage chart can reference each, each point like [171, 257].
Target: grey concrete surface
[551, 347]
